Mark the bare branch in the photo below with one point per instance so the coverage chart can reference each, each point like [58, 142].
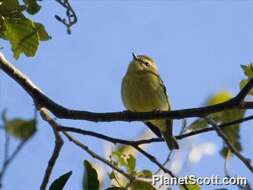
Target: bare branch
[59, 111]
[116, 140]
[9, 159]
[147, 141]
[57, 148]
[245, 160]
[71, 15]
[96, 156]
[41, 100]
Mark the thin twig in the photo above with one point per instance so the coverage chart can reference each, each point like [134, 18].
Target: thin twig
[57, 148]
[58, 145]
[96, 156]
[155, 161]
[59, 111]
[6, 146]
[70, 13]
[220, 133]
[152, 140]
[10, 159]
[226, 172]
[115, 140]
[166, 161]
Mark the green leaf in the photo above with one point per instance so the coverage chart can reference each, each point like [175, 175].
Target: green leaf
[232, 132]
[43, 35]
[60, 182]
[141, 185]
[22, 35]
[131, 163]
[21, 129]
[11, 9]
[198, 124]
[126, 160]
[219, 97]
[144, 174]
[32, 6]
[112, 175]
[120, 158]
[90, 177]
[248, 70]
[243, 83]
[190, 187]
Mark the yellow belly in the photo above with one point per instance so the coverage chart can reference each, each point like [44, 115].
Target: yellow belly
[144, 92]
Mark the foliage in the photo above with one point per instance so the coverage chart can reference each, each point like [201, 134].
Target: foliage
[60, 182]
[232, 132]
[90, 177]
[127, 162]
[20, 128]
[248, 72]
[23, 34]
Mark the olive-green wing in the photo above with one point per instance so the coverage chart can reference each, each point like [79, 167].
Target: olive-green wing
[169, 122]
[162, 85]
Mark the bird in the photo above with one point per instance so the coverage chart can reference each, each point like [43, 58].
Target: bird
[142, 90]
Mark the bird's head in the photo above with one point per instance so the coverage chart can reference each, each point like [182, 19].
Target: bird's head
[142, 63]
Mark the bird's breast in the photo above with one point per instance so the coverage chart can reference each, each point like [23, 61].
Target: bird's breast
[143, 92]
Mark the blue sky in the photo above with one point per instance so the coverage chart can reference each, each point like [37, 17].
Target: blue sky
[198, 46]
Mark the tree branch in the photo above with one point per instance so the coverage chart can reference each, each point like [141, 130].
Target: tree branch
[96, 156]
[58, 144]
[59, 111]
[147, 141]
[57, 148]
[9, 159]
[71, 15]
[220, 133]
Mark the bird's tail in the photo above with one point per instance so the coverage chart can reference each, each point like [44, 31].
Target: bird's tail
[170, 141]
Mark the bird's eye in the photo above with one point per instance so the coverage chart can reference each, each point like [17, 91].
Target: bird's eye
[147, 64]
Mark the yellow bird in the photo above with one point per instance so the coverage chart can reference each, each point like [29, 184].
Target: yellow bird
[143, 90]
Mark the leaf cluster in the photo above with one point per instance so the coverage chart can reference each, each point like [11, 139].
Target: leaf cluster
[23, 34]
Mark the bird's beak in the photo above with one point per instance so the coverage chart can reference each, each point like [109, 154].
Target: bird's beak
[134, 56]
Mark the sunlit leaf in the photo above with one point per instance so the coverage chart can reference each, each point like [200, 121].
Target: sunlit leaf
[128, 161]
[220, 97]
[20, 128]
[90, 177]
[141, 185]
[43, 35]
[232, 132]
[11, 9]
[131, 162]
[32, 6]
[190, 187]
[243, 83]
[60, 182]
[112, 175]
[120, 158]
[198, 124]
[248, 70]
[22, 35]
[144, 174]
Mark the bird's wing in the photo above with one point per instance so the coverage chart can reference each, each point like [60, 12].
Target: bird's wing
[163, 87]
[169, 122]
[154, 129]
